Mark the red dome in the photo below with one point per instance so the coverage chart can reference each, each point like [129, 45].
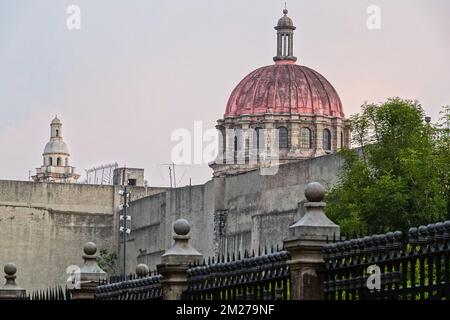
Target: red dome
[286, 89]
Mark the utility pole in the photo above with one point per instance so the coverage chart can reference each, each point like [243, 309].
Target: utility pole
[170, 176]
[174, 178]
[171, 166]
[124, 228]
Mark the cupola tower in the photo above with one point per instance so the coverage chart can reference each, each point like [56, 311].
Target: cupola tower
[56, 167]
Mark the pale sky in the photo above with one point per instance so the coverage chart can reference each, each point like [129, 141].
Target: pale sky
[140, 69]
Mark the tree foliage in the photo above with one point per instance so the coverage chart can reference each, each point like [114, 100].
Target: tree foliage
[398, 176]
[107, 261]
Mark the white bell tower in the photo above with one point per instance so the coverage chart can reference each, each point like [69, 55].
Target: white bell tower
[55, 167]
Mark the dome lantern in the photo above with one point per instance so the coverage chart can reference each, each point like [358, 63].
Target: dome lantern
[56, 129]
[285, 40]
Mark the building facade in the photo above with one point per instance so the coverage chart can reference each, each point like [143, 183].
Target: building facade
[284, 110]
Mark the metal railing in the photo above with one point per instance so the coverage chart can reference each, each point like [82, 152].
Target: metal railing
[56, 293]
[145, 288]
[407, 267]
[265, 277]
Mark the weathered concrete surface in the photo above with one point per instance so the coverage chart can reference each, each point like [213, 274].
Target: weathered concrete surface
[260, 209]
[152, 221]
[227, 214]
[43, 226]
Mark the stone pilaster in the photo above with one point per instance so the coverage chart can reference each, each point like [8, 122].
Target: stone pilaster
[307, 238]
[318, 141]
[295, 136]
[10, 290]
[89, 276]
[175, 262]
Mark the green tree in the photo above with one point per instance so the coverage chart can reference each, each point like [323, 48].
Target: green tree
[442, 138]
[107, 261]
[397, 177]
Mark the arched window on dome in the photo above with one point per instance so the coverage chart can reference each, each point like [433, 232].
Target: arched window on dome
[50, 161]
[326, 139]
[58, 162]
[283, 141]
[305, 138]
[235, 147]
[57, 132]
[258, 138]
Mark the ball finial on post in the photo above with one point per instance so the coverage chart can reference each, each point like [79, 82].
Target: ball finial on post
[181, 227]
[90, 248]
[142, 270]
[10, 269]
[10, 290]
[314, 192]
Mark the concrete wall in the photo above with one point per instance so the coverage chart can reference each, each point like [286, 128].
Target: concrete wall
[228, 214]
[43, 226]
[260, 209]
[152, 219]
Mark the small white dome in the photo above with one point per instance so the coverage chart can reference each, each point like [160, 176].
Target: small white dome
[56, 147]
[56, 120]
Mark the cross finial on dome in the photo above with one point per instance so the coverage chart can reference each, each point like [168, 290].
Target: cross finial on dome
[285, 11]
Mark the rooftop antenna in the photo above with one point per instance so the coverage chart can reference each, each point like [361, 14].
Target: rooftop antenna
[171, 169]
[174, 179]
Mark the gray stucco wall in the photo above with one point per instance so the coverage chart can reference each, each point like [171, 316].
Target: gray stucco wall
[230, 214]
[152, 219]
[261, 208]
[43, 226]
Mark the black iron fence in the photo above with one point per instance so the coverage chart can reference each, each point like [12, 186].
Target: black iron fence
[56, 293]
[265, 277]
[398, 266]
[131, 288]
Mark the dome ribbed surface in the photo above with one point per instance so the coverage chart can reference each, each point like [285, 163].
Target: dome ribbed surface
[284, 89]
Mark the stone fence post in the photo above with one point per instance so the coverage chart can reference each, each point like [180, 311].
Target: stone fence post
[10, 290]
[305, 242]
[175, 262]
[88, 277]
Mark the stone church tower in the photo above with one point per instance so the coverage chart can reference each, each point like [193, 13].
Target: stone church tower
[284, 109]
[56, 156]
